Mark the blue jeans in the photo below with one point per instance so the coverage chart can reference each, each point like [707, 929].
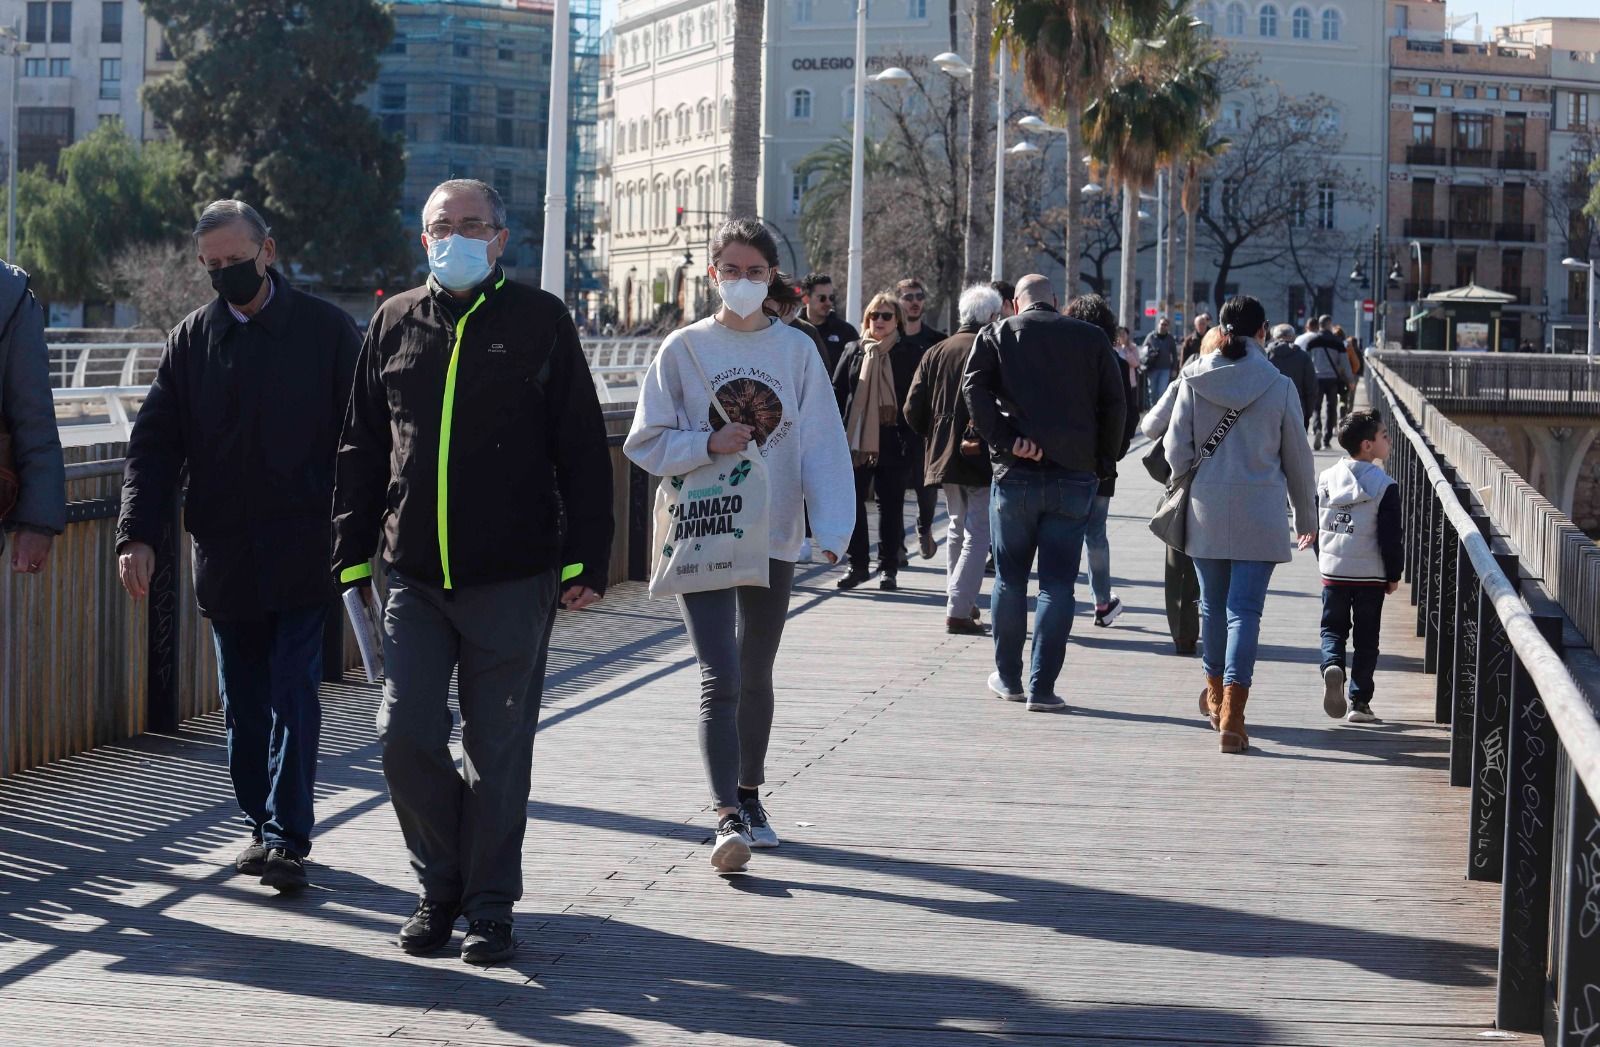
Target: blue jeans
[1043, 511]
[1232, 595]
[1156, 382]
[1094, 539]
[269, 670]
[1358, 608]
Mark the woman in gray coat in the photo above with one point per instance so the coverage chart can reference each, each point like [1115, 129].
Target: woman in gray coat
[1236, 530]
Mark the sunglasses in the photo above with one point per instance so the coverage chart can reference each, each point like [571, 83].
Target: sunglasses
[914, 296]
[824, 297]
[885, 317]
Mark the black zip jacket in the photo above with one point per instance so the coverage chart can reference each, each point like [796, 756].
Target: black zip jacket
[1053, 380]
[253, 410]
[473, 443]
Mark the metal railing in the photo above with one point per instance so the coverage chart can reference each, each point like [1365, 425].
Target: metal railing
[1523, 734]
[83, 665]
[1500, 383]
[75, 365]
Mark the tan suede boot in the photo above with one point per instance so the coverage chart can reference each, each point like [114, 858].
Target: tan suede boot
[1211, 700]
[1234, 740]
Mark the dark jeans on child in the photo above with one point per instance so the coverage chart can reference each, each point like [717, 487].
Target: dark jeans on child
[1347, 608]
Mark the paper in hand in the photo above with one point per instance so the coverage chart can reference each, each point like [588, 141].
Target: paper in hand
[361, 608]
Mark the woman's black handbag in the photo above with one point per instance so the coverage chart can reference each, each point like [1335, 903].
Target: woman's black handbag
[1155, 463]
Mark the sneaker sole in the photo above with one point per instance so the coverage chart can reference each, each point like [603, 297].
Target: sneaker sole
[488, 958]
[730, 856]
[1333, 693]
[1105, 620]
[427, 949]
[1369, 718]
[1032, 708]
[760, 844]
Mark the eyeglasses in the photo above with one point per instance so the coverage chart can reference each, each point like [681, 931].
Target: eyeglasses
[913, 296]
[885, 317]
[472, 229]
[758, 273]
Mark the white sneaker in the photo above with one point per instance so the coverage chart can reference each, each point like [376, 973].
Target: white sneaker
[732, 850]
[1333, 701]
[1361, 714]
[998, 688]
[805, 551]
[762, 835]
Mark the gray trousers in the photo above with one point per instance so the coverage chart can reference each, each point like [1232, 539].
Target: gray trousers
[735, 634]
[966, 547]
[464, 830]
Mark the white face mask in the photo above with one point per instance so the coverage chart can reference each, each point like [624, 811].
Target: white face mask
[742, 296]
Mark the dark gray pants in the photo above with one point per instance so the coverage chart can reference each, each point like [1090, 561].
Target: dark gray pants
[735, 633]
[1183, 601]
[464, 830]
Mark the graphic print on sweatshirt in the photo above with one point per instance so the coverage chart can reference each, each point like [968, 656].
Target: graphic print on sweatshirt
[752, 397]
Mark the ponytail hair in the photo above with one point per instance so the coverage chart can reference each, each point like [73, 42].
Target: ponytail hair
[1241, 317]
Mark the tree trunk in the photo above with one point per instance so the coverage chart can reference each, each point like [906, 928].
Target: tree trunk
[979, 167]
[745, 145]
[1073, 244]
[1172, 242]
[1127, 278]
[1188, 265]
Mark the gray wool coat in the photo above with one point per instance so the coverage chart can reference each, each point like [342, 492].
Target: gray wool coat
[1236, 505]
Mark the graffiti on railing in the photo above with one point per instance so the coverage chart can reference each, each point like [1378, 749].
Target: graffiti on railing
[1489, 759]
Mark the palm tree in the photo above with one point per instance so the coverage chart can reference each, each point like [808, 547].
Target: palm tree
[1158, 84]
[1202, 148]
[826, 175]
[744, 147]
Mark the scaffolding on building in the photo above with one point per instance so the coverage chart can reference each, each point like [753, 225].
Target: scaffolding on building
[585, 277]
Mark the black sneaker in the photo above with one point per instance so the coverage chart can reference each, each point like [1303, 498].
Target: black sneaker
[1104, 616]
[488, 941]
[252, 861]
[284, 871]
[731, 852]
[430, 927]
[1361, 712]
[851, 580]
[888, 584]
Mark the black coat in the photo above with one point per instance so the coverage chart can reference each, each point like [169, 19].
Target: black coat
[253, 411]
[898, 443]
[836, 334]
[1053, 380]
[1296, 364]
[936, 409]
[525, 474]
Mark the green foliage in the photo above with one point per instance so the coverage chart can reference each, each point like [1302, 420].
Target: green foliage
[108, 194]
[265, 105]
[1592, 208]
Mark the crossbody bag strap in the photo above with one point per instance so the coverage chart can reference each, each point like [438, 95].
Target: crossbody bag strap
[1215, 439]
[712, 393]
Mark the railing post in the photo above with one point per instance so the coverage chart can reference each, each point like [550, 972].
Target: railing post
[1577, 959]
[161, 625]
[1440, 597]
[1465, 659]
[640, 507]
[1486, 830]
[1530, 813]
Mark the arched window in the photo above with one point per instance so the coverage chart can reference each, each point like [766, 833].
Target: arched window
[1234, 26]
[683, 121]
[727, 19]
[680, 192]
[727, 112]
[800, 104]
[708, 25]
[703, 115]
[802, 12]
[633, 136]
[1206, 11]
[702, 191]
[1269, 20]
[722, 190]
[1331, 24]
[660, 203]
[1300, 23]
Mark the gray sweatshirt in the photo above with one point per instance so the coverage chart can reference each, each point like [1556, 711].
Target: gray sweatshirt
[1236, 506]
[775, 381]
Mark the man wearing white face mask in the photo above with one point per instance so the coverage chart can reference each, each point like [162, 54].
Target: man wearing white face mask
[474, 459]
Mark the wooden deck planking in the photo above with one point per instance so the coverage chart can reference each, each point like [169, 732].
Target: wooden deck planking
[970, 873]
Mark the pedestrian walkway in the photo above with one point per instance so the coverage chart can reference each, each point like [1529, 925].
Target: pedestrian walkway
[954, 870]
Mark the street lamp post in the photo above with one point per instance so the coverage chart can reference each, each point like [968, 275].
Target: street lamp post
[12, 45]
[858, 140]
[997, 259]
[553, 269]
[1589, 329]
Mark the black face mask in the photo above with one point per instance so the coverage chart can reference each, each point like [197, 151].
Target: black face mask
[238, 283]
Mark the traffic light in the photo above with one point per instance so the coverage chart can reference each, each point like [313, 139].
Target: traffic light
[680, 216]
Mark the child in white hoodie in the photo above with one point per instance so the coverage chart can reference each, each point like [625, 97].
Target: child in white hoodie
[1361, 555]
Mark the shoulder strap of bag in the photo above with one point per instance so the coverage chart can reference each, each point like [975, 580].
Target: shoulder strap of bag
[1215, 439]
[712, 393]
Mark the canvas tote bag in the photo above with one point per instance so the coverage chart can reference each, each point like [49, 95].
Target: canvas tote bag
[1171, 521]
[711, 526]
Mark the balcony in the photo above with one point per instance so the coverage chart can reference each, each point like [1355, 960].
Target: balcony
[1472, 158]
[1426, 154]
[1516, 160]
[1426, 228]
[1471, 230]
[1514, 232]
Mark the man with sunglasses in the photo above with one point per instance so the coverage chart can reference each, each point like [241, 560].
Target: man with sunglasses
[918, 338]
[820, 302]
[474, 456]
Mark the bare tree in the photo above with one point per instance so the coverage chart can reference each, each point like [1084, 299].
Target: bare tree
[162, 280]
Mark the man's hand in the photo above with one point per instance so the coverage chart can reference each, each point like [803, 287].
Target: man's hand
[1306, 541]
[29, 550]
[578, 597]
[1390, 588]
[1025, 448]
[730, 439]
[135, 567]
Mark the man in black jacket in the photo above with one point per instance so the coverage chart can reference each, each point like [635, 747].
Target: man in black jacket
[1294, 363]
[1046, 393]
[820, 312]
[474, 454]
[955, 457]
[249, 396]
[918, 339]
